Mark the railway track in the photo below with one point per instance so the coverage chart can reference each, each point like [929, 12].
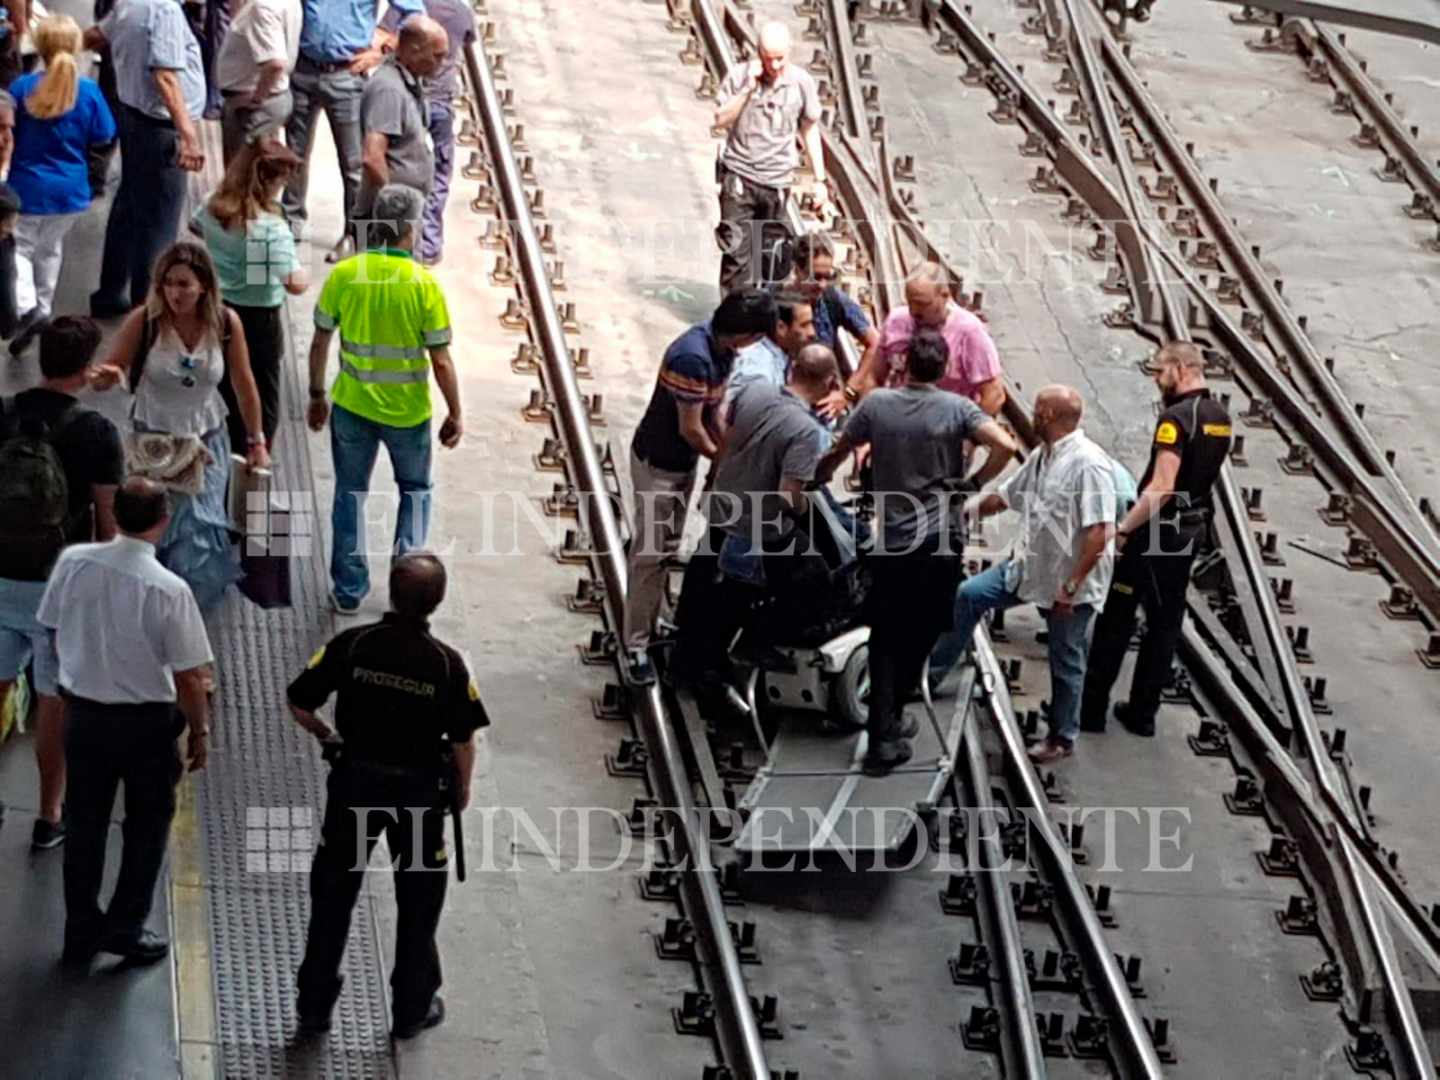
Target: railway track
[1249, 700]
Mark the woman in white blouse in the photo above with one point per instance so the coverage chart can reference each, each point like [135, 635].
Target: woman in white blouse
[174, 352]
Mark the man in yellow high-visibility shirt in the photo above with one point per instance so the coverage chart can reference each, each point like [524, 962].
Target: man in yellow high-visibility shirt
[394, 329]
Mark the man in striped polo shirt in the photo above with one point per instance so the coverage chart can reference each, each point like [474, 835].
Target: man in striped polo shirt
[394, 329]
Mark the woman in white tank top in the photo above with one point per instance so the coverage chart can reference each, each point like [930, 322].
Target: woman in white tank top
[174, 352]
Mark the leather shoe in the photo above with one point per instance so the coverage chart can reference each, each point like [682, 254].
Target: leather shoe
[146, 947]
[432, 1018]
[907, 728]
[1050, 751]
[885, 755]
[79, 953]
[313, 1025]
[1145, 728]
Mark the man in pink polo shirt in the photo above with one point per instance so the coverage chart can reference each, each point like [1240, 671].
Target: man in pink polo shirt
[974, 370]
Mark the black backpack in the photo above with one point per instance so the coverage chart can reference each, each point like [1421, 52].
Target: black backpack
[34, 494]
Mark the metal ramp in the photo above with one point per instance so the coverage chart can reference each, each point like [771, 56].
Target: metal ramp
[811, 797]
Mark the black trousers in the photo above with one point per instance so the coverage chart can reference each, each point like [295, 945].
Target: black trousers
[1156, 579]
[911, 604]
[712, 609]
[105, 746]
[360, 807]
[145, 213]
[265, 338]
[745, 210]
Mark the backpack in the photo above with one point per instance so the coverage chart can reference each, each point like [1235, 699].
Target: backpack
[34, 493]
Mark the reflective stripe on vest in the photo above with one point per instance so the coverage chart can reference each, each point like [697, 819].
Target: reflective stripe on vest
[366, 375]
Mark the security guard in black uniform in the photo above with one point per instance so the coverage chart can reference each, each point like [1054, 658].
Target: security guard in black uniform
[1191, 442]
[406, 715]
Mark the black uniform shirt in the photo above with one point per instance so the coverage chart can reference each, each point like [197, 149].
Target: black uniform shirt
[1196, 427]
[402, 694]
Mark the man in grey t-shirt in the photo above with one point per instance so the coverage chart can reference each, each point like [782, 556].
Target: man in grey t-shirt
[458, 19]
[765, 104]
[772, 443]
[916, 436]
[394, 116]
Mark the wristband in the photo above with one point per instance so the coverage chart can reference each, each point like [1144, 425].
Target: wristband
[314, 393]
[851, 394]
[255, 440]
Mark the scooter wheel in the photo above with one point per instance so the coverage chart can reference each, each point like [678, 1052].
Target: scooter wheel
[850, 691]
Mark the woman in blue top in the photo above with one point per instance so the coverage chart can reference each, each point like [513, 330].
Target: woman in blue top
[254, 253]
[59, 116]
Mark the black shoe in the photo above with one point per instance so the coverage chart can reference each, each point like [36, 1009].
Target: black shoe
[25, 330]
[432, 1018]
[1144, 727]
[146, 947]
[907, 728]
[102, 308]
[639, 669]
[47, 835]
[1093, 724]
[316, 1024]
[885, 755]
[79, 952]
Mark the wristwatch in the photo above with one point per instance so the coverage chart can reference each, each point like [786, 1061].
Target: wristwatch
[1070, 588]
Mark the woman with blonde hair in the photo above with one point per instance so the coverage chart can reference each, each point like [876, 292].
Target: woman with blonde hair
[59, 116]
[173, 352]
[255, 260]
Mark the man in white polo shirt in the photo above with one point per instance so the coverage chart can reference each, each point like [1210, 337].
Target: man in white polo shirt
[134, 669]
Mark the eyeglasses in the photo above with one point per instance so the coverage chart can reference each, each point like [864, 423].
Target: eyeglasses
[829, 275]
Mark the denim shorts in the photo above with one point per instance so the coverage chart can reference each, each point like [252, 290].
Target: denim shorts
[22, 638]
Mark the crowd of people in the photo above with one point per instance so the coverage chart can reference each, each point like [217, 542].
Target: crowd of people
[117, 540]
[757, 391]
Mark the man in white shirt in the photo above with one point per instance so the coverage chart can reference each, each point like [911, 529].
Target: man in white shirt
[253, 71]
[134, 669]
[1061, 560]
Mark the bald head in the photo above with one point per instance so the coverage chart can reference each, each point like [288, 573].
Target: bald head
[141, 507]
[927, 294]
[774, 50]
[423, 45]
[1058, 410]
[417, 584]
[1185, 355]
[815, 368]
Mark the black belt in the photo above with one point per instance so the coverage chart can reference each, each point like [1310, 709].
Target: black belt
[325, 67]
[141, 115]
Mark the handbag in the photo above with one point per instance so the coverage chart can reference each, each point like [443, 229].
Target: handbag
[176, 462]
[264, 552]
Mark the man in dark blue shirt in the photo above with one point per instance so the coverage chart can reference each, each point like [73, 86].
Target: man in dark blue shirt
[815, 275]
[679, 426]
[340, 44]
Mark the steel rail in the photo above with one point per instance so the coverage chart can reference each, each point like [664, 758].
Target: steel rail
[1397, 543]
[1131, 1042]
[1377, 21]
[1339, 410]
[847, 70]
[1021, 1052]
[1349, 894]
[737, 1029]
[1320, 42]
[1085, 179]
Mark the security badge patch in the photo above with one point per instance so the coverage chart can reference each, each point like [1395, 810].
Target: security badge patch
[1167, 434]
[315, 660]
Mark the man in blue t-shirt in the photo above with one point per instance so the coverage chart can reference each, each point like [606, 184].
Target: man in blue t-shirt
[815, 276]
[680, 426]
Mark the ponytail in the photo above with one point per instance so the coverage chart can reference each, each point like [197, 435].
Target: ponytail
[57, 38]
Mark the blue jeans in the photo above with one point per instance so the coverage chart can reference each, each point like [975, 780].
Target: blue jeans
[1068, 635]
[442, 134]
[354, 444]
